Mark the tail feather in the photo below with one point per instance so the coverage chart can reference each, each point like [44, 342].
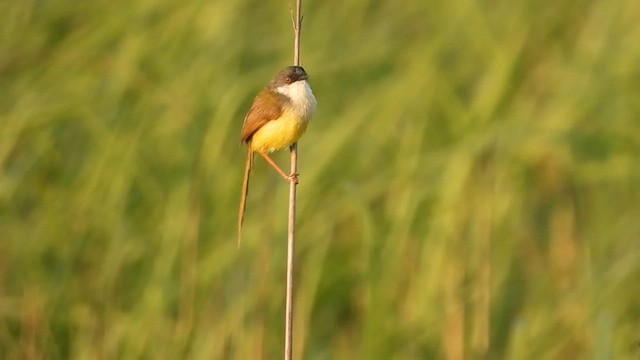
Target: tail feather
[245, 192]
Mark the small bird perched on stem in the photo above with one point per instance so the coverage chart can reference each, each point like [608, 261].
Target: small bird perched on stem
[277, 119]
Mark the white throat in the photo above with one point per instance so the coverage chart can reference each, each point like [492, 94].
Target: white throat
[302, 100]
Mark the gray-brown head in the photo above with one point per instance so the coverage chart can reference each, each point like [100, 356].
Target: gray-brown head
[288, 75]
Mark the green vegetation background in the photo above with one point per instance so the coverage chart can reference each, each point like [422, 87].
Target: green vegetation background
[470, 184]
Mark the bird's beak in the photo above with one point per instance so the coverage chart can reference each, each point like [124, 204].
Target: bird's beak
[304, 77]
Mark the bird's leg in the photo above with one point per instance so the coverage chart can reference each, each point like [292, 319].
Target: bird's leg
[291, 177]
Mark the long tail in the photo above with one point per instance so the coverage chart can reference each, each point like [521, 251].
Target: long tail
[245, 192]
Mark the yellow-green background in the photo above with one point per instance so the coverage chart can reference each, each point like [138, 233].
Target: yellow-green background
[470, 184]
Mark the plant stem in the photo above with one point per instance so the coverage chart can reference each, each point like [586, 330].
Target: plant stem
[288, 334]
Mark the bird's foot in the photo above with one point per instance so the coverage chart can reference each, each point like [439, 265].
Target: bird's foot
[293, 178]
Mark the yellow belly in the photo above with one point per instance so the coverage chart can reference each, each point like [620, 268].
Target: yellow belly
[279, 133]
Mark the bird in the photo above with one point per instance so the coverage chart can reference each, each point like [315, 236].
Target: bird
[277, 118]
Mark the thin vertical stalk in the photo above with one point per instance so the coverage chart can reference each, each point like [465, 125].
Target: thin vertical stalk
[288, 334]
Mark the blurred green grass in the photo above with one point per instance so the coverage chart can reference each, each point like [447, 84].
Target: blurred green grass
[469, 188]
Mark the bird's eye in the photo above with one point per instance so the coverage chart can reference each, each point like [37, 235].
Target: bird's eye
[288, 80]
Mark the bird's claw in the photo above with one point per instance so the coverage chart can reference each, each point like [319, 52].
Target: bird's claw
[293, 178]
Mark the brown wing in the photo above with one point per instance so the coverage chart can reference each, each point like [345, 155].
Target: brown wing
[265, 107]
